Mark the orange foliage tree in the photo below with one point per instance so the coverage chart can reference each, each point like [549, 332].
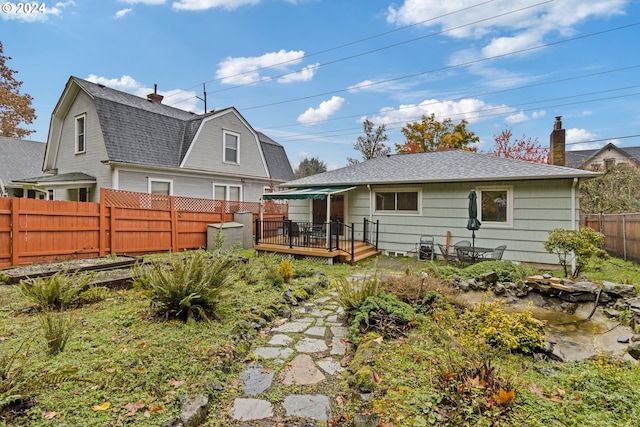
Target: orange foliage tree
[14, 107]
[520, 149]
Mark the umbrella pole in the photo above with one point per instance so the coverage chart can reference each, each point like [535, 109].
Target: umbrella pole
[473, 245]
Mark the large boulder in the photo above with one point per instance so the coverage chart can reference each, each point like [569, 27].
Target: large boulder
[618, 290]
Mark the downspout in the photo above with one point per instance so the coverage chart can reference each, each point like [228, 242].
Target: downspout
[370, 203]
[574, 220]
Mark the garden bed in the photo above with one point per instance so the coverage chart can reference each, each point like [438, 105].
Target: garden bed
[16, 274]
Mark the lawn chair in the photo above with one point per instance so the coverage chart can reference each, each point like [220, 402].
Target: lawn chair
[496, 255]
[447, 256]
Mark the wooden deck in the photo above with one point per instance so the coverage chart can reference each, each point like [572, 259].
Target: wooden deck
[361, 251]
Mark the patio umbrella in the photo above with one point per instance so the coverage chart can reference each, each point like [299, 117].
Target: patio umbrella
[473, 224]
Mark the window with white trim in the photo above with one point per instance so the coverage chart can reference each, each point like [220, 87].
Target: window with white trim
[80, 134]
[160, 186]
[232, 193]
[397, 201]
[231, 147]
[495, 206]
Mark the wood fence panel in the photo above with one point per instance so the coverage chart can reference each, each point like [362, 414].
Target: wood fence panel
[5, 232]
[621, 233]
[123, 222]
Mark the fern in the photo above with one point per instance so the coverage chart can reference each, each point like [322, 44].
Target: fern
[54, 292]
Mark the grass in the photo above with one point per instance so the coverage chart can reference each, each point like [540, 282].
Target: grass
[124, 357]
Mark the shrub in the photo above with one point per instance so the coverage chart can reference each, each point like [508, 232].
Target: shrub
[285, 270]
[579, 245]
[383, 313]
[515, 332]
[186, 288]
[507, 271]
[55, 292]
[57, 329]
[353, 293]
[94, 294]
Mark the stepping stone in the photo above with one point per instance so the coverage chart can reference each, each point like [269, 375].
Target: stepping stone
[338, 348]
[251, 409]
[255, 380]
[296, 326]
[311, 345]
[330, 366]
[301, 370]
[280, 340]
[321, 313]
[333, 318]
[273, 352]
[316, 331]
[339, 331]
[323, 299]
[314, 406]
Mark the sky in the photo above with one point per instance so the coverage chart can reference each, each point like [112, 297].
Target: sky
[308, 72]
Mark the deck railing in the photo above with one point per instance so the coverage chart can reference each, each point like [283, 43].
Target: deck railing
[331, 236]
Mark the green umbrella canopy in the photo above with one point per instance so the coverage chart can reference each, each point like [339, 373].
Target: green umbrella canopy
[473, 223]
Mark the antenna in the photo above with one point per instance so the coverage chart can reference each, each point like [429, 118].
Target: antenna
[204, 98]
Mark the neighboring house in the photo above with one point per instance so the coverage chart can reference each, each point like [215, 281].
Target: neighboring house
[103, 138]
[603, 158]
[412, 195]
[20, 158]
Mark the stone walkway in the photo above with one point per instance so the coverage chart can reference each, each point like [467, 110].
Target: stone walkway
[306, 351]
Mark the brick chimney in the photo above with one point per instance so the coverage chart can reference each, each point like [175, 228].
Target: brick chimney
[557, 154]
[155, 96]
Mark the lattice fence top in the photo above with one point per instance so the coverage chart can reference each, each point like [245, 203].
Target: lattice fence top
[135, 200]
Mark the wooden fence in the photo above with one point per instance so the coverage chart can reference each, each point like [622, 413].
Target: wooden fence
[123, 222]
[621, 233]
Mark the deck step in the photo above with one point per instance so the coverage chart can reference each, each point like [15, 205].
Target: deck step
[361, 251]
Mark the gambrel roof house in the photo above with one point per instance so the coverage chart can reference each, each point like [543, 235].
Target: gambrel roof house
[101, 137]
[412, 195]
[601, 158]
[18, 158]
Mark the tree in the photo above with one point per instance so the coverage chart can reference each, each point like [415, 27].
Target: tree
[520, 149]
[310, 166]
[14, 107]
[430, 134]
[371, 145]
[575, 245]
[614, 192]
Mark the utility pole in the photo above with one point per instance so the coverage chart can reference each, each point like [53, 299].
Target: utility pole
[204, 97]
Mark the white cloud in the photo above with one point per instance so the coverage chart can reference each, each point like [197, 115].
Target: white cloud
[303, 75]
[506, 32]
[326, 109]
[574, 137]
[150, 2]
[210, 4]
[185, 100]
[246, 70]
[523, 117]
[468, 109]
[32, 12]
[122, 12]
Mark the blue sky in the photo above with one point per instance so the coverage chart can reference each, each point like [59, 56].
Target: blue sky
[306, 72]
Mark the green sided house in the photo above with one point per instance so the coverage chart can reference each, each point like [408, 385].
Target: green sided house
[401, 198]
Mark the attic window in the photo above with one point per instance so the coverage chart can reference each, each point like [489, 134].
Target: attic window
[80, 134]
[231, 148]
[609, 162]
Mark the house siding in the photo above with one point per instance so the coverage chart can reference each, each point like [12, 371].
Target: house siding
[88, 162]
[207, 150]
[188, 185]
[539, 206]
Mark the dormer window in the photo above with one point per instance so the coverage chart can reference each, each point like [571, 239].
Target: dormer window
[80, 134]
[231, 148]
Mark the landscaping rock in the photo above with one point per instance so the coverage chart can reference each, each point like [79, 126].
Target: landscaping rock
[618, 290]
[302, 371]
[255, 380]
[194, 411]
[634, 350]
[251, 409]
[611, 313]
[635, 337]
[314, 406]
[499, 289]
[361, 420]
[171, 423]
[623, 339]
[490, 278]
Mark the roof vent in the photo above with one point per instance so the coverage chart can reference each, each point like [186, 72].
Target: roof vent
[155, 96]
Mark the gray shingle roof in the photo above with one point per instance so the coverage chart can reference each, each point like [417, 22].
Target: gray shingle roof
[439, 166]
[20, 158]
[276, 158]
[139, 131]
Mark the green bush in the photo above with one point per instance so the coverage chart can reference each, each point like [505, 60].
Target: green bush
[353, 293]
[55, 292]
[383, 313]
[285, 269]
[515, 332]
[507, 271]
[186, 288]
[57, 328]
[575, 245]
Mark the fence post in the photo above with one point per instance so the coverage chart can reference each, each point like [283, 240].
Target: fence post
[15, 231]
[624, 238]
[102, 226]
[174, 224]
[112, 230]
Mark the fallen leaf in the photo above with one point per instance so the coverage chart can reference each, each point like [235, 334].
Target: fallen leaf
[340, 400]
[503, 397]
[176, 383]
[555, 399]
[147, 414]
[266, 371]
[155, 408]
[103, 407]
[110, 370]
[378, 340]
[536, 389]
[49, 414]
[376, 377]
